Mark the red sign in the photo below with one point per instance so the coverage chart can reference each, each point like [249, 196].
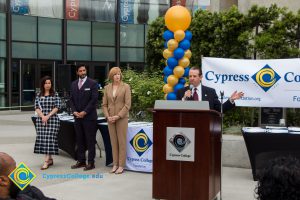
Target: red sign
[178, 2]
[72, 9]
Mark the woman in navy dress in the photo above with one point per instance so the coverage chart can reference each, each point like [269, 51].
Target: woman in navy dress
[47, 103]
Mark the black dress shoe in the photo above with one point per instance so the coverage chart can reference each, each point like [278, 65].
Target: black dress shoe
[90, 166]
[78, 165]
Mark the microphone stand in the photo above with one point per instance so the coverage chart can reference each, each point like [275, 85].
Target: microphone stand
[222, 97]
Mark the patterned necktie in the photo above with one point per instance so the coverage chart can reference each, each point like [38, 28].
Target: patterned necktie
[195, 95]
[80, 84]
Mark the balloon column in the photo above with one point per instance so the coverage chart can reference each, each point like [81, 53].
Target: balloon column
[177, 53]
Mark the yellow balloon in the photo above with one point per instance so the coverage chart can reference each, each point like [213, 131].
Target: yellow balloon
[167, 53]
[172, 44]
[178, 18]
[167, 88]
[172, 80]
[188, 54]
[184, 62]
[178, 71]
[179, 35]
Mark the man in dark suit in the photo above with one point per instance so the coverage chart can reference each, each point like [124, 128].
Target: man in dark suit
[198, 92]
[83, 101]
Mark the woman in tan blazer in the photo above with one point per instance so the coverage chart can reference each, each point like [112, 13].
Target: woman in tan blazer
[116, 103]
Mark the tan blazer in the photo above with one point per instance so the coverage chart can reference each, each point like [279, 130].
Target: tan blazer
[118, 105]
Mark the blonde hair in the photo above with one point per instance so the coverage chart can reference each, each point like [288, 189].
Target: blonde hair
[113, 71]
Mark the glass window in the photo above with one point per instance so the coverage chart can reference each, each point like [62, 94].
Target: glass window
[78, 53]
[103, 54]
[15, 84]
[50, 51]
[132, 54]
[103, 34]
[103, 10]
[2, 49]
[53, 8]
[2, 26]
[50, 30]
[24, 50]
[2, 5]
[78, 32]
[2, 83]
[132, 35]
[24, 28]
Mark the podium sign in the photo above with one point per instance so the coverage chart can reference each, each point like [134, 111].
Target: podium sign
[180, 144]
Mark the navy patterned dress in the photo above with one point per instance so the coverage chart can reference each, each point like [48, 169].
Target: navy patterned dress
[46, 140]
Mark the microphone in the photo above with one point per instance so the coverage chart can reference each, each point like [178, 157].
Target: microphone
[191, 89]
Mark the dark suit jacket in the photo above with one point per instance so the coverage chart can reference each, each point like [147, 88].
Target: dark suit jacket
[210, 95]
[85, 99]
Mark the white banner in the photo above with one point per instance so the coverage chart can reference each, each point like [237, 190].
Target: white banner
[266, 83]
[139, 146]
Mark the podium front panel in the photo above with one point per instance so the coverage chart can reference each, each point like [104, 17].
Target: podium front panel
[179, 180]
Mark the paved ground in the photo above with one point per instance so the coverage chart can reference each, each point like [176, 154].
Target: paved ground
[17, 136]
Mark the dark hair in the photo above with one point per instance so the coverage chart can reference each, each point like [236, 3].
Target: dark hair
[43, 81]
[80, 65]
[197, 68]
[279, 180]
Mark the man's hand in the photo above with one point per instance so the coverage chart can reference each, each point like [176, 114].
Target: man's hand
[76, 114]
[187, 94]
[236, 95]
[82, 114]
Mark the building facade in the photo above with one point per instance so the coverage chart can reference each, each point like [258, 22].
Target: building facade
[39, 38]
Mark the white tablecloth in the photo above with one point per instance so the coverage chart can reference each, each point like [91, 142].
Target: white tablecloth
[139, 146]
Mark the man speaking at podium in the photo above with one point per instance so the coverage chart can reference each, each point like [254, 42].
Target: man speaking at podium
[198, 92]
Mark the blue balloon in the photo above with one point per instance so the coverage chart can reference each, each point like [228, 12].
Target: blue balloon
[186, 72]
[178, 53]
[188, 35]
[168, 35]
[168, 71]
[178, 87]
[171, 96]
[184, 44]
[182, 80]
[172, 62]
[166, 79]
[166, 45]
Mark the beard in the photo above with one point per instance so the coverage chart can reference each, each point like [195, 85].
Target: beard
[13, 190]
[82, 76]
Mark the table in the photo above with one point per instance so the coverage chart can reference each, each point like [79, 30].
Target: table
[139, 142]
[262, 147]
[67, 137]
[139, 146]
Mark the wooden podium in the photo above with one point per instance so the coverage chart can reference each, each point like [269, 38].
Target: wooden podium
[185, 180]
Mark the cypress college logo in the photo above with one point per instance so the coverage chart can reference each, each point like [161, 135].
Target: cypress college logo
[22, 176]
[140, 142]
[266, 77]
[180, 141]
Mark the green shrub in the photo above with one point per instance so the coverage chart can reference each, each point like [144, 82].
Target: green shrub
[146, 88]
